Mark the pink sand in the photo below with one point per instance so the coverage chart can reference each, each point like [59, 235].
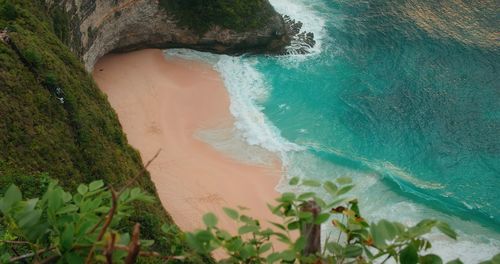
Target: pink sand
[161, 104]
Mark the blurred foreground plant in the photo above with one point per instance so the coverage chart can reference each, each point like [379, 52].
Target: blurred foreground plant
[356, 240]
[82, 228]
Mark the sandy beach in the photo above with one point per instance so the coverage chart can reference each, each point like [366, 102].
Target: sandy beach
[163, 103]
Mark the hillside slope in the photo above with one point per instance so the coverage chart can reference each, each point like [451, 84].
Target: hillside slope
[55, 121]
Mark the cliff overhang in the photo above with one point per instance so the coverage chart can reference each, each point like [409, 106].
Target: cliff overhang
[98, 27]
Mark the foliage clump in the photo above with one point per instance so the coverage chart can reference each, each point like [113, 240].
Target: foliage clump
[84, 227]
[61, 24]
[352, 239]
[8, 10]
[201, 15]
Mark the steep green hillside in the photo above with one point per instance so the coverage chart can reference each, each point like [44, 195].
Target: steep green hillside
[55, 122]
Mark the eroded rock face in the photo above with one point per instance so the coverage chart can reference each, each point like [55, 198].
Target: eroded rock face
[103, 26]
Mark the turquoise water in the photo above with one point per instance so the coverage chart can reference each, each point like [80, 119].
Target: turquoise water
[384, 91]
[402, 96]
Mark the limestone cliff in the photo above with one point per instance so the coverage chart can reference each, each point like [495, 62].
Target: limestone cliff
[102, 26]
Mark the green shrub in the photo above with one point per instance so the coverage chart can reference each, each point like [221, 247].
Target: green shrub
[60, 23]
[8, 11]
[355, 241]
[201, 15]
[33, 58]
[67, 227]
[84, 225]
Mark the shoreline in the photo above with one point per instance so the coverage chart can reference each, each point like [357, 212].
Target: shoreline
[165, 103]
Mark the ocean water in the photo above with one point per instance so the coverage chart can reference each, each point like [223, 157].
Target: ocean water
[401, 96]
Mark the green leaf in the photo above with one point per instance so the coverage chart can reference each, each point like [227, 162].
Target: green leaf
[299, 244]
[345, 189]
[352, 251]
[223, 235]
[96, 185]
[280, 226]
[147, 243]
[82, 189]
[423, 227]
[294, 225]
[203, 236]
[320, 202]
[68, 209]
[231, 213]
[447, 230]
[330, 187]
[409, 255]
[273, 258]
[247, 229]
[311, 183]
[431, 259]
[306, 216]
[12, 195]
[265, 247]
[247, 219]
[194, 243]
[382, 231]
[334, 248]
[66, 197]
[344, 180]
[306, 196]
[275, 209]
[455, 261]
[31, 204]
[210, 220]
[287, 197]
[294, 181]
[30, 218]
[234, 244]
[282, 237]
[248, 251]
[55, 200]
[321, 218]
[288, 255]
[67, 237]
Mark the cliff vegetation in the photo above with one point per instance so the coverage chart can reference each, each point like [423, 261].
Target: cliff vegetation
[201, 15]
[57, 124]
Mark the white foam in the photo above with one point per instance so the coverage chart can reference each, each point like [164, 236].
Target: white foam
[247, 88]
[305, 13]
[226, 139]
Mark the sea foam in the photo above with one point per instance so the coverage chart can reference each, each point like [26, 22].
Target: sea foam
[247, 88]
[303, 12]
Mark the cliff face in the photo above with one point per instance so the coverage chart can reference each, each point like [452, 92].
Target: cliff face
[102, 26]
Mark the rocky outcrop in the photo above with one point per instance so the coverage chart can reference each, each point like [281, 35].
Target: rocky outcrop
[99, 27]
